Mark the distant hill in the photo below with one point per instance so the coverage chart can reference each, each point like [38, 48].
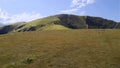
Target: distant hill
[1, 24]
[62, 22]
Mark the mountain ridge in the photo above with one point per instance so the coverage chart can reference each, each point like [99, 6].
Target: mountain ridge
[62, 22]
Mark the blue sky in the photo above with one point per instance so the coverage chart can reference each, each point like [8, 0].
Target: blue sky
[12, 11]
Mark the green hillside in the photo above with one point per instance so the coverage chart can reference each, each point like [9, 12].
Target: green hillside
[62, 21]
[61, 49]
[118, 25]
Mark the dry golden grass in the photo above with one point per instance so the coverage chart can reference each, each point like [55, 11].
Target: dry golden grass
[61, 49]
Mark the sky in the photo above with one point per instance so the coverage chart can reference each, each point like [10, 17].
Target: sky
[13, 11]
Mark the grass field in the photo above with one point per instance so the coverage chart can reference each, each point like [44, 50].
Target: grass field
[61, 49]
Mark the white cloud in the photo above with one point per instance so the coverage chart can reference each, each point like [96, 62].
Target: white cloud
[6, 18]
[81, 3]
[83, 13]
[77, 4]
[70, 10]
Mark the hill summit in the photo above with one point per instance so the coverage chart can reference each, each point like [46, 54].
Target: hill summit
[62, 22]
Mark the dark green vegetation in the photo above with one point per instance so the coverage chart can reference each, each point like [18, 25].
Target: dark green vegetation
[62, 22]
[61, 49]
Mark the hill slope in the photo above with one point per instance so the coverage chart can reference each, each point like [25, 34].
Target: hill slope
[61, 49]
[64, 21]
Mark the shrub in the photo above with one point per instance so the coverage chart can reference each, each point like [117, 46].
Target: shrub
[28, 60]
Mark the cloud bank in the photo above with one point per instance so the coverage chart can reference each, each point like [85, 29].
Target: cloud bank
[77, 4]
[7, 18]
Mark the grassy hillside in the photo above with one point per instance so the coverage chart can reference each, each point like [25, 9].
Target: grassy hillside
[64, 21]
[118, 25]
[61, 49]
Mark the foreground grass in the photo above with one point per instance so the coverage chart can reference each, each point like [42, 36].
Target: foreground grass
[61, 49]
